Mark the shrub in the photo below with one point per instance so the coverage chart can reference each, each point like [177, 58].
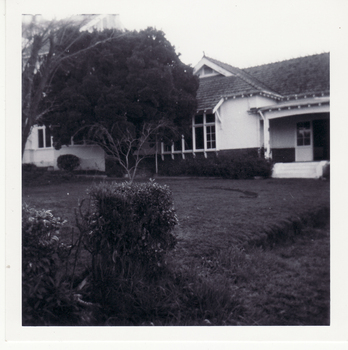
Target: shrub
[130, 225]
[46, 294]
[224, 165]
[68, 162]
[29, 167]
[244, 167]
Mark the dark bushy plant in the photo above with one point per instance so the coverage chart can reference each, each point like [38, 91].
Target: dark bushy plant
[68, 162]
[226, 166]
[244, 167]
[29, 167]
[130, 224]
[47, 297]
[113, 168]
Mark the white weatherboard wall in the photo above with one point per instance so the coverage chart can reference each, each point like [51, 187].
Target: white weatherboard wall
[283, 133]
[238, 128]
[92, 157]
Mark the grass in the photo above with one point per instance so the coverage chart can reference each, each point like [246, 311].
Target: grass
[229, 267]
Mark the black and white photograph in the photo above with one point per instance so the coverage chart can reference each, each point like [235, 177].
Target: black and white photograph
[172, 177]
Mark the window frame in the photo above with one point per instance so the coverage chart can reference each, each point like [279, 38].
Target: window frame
[212, 125]
[209, 128]
[304, 137]
[42, 130]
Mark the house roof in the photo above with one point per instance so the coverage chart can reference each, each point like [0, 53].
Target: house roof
[212, 89]
[302, 75]
[252, 80]
[280, 81]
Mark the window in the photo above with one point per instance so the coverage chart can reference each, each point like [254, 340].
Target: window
[199, 134]
[211, 136]
[304, 134]
[44, 137]
[204, 132]
[41, 138]
[201, 137]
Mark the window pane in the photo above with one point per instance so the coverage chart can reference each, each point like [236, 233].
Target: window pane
[303, 134]
[211, 137]
[48, 137]
[198, 119]
[210, 118]
[41, 139]
[199, 138]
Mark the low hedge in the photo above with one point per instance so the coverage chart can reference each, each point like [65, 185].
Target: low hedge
[226, 166]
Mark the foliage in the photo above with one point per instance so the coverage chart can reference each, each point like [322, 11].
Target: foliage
[130, 224]
[47, 298]
[122, 94]
[68, 162]
[226, 166]
[46, 46]
[244, 168]
[135, 78]
[29, 167]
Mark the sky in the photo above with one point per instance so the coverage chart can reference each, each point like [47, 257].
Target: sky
[242, 33]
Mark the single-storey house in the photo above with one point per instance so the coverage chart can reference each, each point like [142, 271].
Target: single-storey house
[280, 110]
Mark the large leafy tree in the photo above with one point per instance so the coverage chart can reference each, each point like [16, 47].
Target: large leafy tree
[46, 46]
[121, 93]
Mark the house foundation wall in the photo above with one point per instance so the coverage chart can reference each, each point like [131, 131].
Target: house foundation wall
[283, 155]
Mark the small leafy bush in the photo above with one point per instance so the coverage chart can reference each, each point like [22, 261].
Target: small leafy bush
[68, 162]
[130, 226]
[47, 298]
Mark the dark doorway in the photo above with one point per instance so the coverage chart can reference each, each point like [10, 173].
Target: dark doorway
[321, 139]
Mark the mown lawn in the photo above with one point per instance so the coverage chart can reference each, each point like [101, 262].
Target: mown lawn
[284, 284]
